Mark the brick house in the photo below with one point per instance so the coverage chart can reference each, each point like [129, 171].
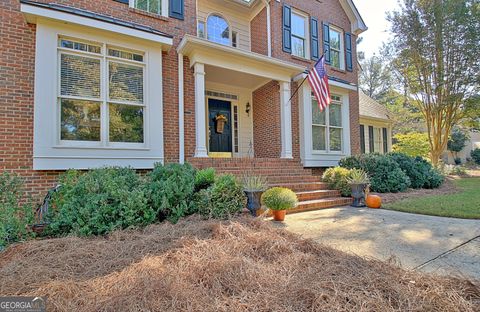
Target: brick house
[91, 83]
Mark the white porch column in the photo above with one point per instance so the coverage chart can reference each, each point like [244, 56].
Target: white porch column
[286, 119]
[200, 112]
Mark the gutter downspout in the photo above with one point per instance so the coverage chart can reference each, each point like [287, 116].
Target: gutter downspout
[269, 28]
[181, 108]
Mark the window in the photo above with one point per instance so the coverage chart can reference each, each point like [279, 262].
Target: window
[101, 94]
[201, 29]
[337, 58]
[218, 30]
[299, 35]
[377, 140]
[152, 6]
[235, 128]
[327, 130]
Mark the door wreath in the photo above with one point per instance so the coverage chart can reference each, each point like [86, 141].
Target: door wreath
[220, 121]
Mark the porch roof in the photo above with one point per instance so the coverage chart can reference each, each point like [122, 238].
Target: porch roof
[206, 52]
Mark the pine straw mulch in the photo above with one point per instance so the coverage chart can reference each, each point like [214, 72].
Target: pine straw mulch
[448, 187]
[241, 265]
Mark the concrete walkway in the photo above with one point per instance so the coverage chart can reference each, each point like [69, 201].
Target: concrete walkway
[430, 244]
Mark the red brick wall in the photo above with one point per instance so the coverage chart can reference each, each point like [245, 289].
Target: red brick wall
[259, 36]
[266, 121]
[17, 57]
[354, 123]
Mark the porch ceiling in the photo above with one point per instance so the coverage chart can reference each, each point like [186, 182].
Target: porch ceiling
[210, 53]
[231, 78]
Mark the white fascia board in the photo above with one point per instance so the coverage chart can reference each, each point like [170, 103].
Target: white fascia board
[342, 85]
[33, 12]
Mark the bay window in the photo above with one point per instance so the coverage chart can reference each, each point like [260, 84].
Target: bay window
[101, 94]
[327, 130]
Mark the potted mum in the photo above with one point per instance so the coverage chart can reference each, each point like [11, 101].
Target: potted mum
[254, 186]
[279, 200]
[358, 180]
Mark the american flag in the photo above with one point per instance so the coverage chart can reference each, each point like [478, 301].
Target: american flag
[318, 79]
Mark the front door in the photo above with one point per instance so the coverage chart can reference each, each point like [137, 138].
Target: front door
[220, 128]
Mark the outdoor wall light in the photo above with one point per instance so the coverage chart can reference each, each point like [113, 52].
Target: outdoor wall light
[247, 108]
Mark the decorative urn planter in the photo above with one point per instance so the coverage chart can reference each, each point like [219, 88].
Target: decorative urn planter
[254, 204]
[358, 194]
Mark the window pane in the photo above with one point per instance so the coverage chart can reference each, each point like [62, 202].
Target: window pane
[154, 6]
[126, 123]
[125, 82]
[334, 39]
[335, 115]
[218, 30]
[318, 136]
[298, 25]
[80, 120]
[125, 55]
[141, 4]
[335, 139]
[201, 29]
[318, 117]
[335, 58]
[79, 76]
[298, 47]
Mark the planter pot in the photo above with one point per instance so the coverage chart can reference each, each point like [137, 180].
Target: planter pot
[279, 215]
[254, 201]
[358, 194]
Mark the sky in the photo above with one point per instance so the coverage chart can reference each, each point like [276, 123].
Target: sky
[374, 13]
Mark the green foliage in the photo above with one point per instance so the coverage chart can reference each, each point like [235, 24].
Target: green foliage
[416, 168]
[457, 141]
[254, 183]
[385, 174]
[204, 178]
[413, 144]
[435, 179]
[337, 178]
[475, 154]
[358, 176]
[223, 199]
[171, 188]
[99, 201]
[15, 215]
[279, 198]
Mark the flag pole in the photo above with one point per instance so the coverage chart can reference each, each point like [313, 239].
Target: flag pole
[299, 86]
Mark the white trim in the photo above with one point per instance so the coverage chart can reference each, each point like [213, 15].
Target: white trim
[83, 163]
[200, 112]
[181, 111]
[342, 46]
[343, 85]
[32, 12]
[286, 120]
[358, 25]
[306, 46]
[269, 28]
[164, 7]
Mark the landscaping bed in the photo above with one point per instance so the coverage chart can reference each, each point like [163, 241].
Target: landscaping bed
[206, 265]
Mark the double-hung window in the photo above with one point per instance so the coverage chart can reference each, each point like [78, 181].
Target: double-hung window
[337, 54]
[152, 6]
[101, 95]
[299, 35]
[327, 130]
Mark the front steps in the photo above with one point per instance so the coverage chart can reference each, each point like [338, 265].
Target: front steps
[311, 192]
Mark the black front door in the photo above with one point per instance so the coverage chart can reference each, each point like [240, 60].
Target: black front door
[220, 126]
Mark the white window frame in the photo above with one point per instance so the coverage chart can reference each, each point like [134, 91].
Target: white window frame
[306, 47]
[327, 126]
[164, 8]
[229, 28]
[342, 47]
[104, 99]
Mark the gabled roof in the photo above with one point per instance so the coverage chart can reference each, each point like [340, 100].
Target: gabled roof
[369, 108]
[358, 25]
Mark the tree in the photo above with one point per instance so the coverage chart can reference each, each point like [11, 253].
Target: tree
[435, 49]
[375, 78]
[406, 116]
[413, 144]
[457, 142]
[471, 113]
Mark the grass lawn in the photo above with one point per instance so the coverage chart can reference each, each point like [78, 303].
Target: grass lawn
[464, 204]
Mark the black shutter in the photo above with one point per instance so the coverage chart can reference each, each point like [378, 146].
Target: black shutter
[122, 1]
[176, 9]
[287, 29]
[362, 138]
[385, 140]
[371, 142]
[348, 49]
[326, 42]
[314, 38]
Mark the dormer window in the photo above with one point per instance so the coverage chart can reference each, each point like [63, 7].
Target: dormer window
[218, 30]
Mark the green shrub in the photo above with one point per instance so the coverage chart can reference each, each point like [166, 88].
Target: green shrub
[475, 154]
[385, 174]
[435, 179]
[337, 178]
[204, 178]
[99, 201]
[223, 199]
[171, 189]
[279, 198]
[15, 211]
[416, 168]
[413, 144]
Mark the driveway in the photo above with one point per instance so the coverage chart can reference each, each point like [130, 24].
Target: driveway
[431, 244]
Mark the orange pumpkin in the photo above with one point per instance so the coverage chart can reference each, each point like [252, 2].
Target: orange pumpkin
[373, 201]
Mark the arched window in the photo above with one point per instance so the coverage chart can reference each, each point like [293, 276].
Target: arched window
[218, 30]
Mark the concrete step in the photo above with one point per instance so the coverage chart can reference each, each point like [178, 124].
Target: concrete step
[319, 194]
[316, 204]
